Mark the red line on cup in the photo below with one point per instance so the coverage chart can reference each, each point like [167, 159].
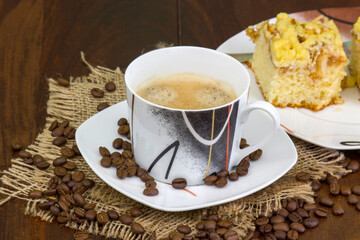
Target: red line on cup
[227, 141]
[287, 129]
[187, 190]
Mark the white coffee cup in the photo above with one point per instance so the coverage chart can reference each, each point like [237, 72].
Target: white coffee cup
[176, 143]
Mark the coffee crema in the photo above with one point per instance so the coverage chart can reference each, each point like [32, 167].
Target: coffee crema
[187, 91]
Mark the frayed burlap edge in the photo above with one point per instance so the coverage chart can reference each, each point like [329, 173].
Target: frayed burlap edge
[76, 105]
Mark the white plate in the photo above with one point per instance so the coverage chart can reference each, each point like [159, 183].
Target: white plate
[336, 126]
[279, 156]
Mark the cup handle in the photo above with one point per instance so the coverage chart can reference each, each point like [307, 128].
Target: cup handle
[243, 117]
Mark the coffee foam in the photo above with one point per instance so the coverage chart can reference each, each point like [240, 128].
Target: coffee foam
[187, 91]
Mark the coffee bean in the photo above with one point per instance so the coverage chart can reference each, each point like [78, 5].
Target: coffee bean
[50, 192]
[283, 212]
[54, 210]
[115, 155]
[223, 173]
[201, 235]
[243, 144]
[179, 183]
[200, 225]
[53, 125]
[221, 231]
[90, 215]
[233, 176]
[58, 132]
[326, 201]
[79, 199]
[89, 206]
[352, 199]
[337, 209]
[176, 235]
[117, 143]
[277, 219]
[24, 154]
[249, 235]
[265, 228]
[28, 161]
[126, 219]
[345, 190]
[353, 165]
[214, 236]
[210, 180]
[102, 106]
[295, 217]
[210, 226]
[63, 82]
[63, 206]
[231, 235]
[244, 164]
[113, 215]
[137, 228]
[128, 154]
[136, 212]
[102, 218]
[59, 161]
[97, 93]
[255, 155]
[88, 183]
[63, 217]
[104, 152]
[69, 132]
[184, 229]
[121, 173]
[35, 194]
[45, 205]
[16, 145]
[76, 150]
[81, 236]
[309, 206]
[124, 130]
[126, 145]
[292, 235]
[151, 191]
[122, 121]
[78, 188]
[67, 152]
[280, 234]
[37, 159]
[62, 189]
[140, 172]
[331, 179]
[54, 180]
[302, 176]
[315, 184]
[110, 86]
[42, 165]
[311, 222]
[68, 199]
[281, 227]
[78, 176]
[221, 182]
[321, 212]
[59, 141]
[60, 171]
[71, 166]
[270, 236]
[356, 189]
[150, 183]
[79, 212]
[262, 221]
[334, 188]
[297, 227]
[224, 224]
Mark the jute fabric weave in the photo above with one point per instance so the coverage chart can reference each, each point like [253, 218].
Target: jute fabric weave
[76, 105]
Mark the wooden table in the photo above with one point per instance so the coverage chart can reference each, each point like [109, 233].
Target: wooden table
[40, 39]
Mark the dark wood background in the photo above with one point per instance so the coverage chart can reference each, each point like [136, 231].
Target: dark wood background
[40, 39]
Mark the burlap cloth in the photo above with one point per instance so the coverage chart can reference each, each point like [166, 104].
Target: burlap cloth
[76, 105]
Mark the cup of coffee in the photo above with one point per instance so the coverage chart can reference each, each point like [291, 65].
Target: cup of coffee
[187, 106]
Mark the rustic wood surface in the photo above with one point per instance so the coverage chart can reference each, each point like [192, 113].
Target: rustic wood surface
[40, 39]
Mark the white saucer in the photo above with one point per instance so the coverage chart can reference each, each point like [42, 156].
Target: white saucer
[336, 126]
[279, 156]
